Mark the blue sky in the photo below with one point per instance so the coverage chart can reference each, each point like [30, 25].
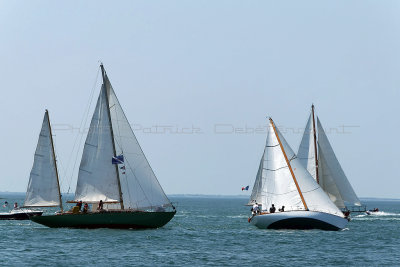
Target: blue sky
[210, 69]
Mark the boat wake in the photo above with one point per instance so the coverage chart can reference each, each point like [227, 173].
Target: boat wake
[379, 215]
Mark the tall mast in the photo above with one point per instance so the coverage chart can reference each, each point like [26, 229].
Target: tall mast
[288, 163]
[55, 163]
[315, 144]
[103, 72]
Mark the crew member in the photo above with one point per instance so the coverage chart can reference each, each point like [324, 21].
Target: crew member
[100, 206]
[272, 209]
[85, 208]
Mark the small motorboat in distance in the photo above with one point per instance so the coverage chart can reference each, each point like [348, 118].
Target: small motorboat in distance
[282, 181]
[369, 212]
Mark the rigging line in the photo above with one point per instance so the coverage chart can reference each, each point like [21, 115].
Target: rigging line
[80, 135]
[312, 190]
[284, 167]
[267, 192]
[273, 145]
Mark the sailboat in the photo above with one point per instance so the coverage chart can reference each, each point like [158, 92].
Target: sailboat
[317, 156]
[114, 176]
[283, 181]
[43, 187]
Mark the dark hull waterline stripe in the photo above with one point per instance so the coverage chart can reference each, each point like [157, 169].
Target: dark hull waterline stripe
[19, 216]
[302, 224]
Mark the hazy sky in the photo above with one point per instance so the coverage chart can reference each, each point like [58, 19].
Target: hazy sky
[210, 69]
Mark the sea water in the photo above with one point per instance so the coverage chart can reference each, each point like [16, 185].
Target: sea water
[206, 231]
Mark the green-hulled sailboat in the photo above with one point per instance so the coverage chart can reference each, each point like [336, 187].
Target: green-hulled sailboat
[114, 170]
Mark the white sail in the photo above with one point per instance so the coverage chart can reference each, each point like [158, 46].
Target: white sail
[331, 175]
[306, 153]
[139, 185]
[97, 177]
[43, 190]
[256, 192]
[279, 187]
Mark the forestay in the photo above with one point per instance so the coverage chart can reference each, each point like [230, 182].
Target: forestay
[43, 187]
[277, 183]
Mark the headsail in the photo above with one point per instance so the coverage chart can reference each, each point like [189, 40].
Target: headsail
[278, 184]
[43, 188]
[256, 193]
[332, 177]
[139, 185]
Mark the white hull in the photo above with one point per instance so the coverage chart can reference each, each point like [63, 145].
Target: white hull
[299, 220]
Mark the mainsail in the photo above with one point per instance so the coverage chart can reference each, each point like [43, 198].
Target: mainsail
[323, 165]
[43, 187]
[285, 182]
[97, 177]
[132, 182]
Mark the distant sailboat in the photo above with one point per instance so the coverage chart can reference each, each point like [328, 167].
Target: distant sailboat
[316, 154]
[43, 187]
[282, 180]
[115, 171]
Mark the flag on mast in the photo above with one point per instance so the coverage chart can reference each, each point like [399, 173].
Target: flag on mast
[118, 159]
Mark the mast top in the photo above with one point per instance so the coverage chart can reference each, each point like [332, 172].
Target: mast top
[103, 71]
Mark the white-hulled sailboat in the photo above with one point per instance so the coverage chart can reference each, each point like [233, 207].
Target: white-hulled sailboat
[43, 187]
[283, 181]
[317, 156]
[115, 172]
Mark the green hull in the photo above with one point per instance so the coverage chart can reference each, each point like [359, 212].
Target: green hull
[122, 220]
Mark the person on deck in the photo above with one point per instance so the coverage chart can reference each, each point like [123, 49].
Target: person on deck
[100, 206]
[255, 208]
[85, 208]
[15, 205]
[79, 204]
[282, 209]
[272, 209]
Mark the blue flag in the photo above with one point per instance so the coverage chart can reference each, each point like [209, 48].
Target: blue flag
[118, 159]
